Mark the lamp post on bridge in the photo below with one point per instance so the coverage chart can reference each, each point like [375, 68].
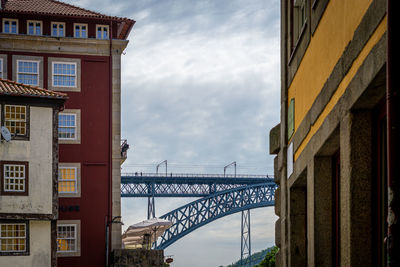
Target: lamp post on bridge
[151, 205]
[227, 166]
[166, 167]
[245, 242]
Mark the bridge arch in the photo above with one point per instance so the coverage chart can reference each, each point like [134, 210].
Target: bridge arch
[200, 212]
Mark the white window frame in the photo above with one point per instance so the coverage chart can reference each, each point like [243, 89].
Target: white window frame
[102, 31]
[58, 29]
[74, 238]
[75, 127]
[34, 27]
[77, 140]
[10, 20]
[80, 30]
[15, 178]
[25, 237]
[38, 70]
[77, 236]
[25, 120]
[66, 75]
[75, 179]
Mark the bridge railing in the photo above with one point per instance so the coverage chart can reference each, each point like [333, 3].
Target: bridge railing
[173, 175]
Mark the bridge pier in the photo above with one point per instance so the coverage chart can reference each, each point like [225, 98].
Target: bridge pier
[245, 239]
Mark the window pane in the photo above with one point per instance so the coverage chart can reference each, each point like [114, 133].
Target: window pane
[13, 27]
[66, 126]
[7, 26]
[30, 28]
[28, 72]
[77, 31]
[15, 119]
[13, 237]
[66, 238]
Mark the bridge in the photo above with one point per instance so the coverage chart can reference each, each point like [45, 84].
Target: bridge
[220, 195]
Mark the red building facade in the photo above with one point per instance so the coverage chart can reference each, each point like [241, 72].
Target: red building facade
[65, 48]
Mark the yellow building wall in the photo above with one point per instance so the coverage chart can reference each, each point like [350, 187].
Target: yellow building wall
[334, 32]
[344, 83]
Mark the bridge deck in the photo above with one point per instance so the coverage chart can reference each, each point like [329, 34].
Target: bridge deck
[184, 185]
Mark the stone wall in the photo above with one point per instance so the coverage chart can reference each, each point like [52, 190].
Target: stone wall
[137, 258]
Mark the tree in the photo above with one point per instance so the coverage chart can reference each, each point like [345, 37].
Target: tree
[269, 260]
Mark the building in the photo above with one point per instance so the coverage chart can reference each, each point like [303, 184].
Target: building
[331, 146]
[62, 47]
[28, 174]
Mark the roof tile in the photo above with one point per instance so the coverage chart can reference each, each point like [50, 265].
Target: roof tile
[12, 88]
[52, 7]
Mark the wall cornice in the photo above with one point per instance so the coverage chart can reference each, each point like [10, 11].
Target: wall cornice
[57, 45]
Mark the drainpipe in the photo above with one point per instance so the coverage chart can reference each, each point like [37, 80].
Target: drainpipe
[393, 131]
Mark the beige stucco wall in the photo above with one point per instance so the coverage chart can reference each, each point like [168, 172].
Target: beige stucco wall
[40, 247]
[116, 241]
[38, 152]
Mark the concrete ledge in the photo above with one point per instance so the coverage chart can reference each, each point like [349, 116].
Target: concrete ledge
[274, 139]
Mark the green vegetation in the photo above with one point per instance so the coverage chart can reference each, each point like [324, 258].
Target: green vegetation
[264, 258]
[269, 260]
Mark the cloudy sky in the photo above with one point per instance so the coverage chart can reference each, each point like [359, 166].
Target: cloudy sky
[200, 88]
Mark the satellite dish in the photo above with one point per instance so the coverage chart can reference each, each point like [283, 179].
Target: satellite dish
[5, 133]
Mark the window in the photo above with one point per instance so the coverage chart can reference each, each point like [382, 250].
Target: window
[68, 238]
[34, 27]
[64, 74]
[13, 238]
[299, 19]
[67, 126]
[80, 30]
[28, 72]
[67, 180]
[69, 184]
[10, 26]
[58, 29]
[15, 119]
[102, 31]
[14, 177]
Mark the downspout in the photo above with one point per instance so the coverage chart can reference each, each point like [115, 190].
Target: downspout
[109, 217]
[393, 135]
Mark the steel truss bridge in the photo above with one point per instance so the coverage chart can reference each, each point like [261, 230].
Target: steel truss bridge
[220, 195]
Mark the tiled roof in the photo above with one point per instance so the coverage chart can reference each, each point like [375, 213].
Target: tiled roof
[11, 88]
[52, 7]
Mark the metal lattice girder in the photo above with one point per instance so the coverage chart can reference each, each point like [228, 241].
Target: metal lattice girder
[184, 185]
[245, 241]
[203, 211]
